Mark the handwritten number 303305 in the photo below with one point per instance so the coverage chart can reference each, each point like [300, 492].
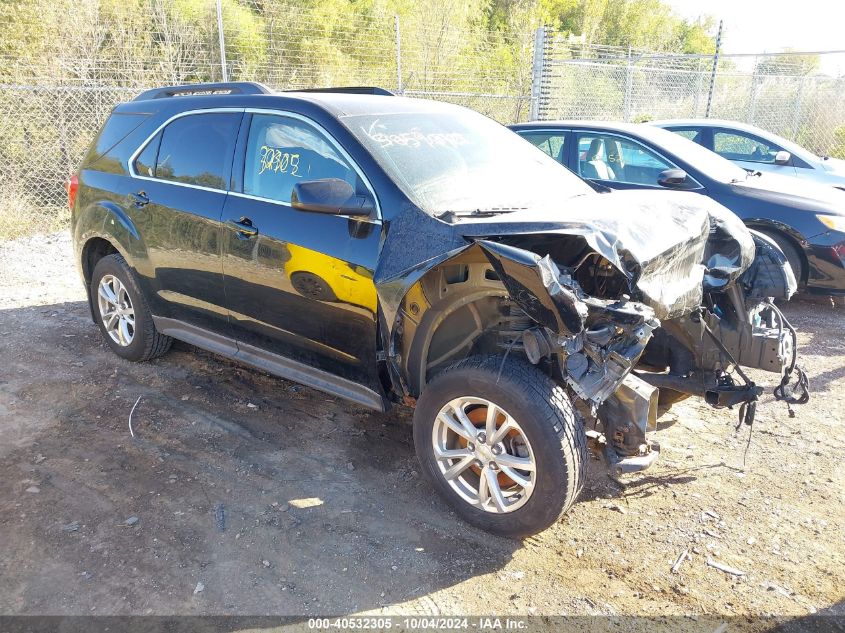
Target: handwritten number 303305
[277, 161]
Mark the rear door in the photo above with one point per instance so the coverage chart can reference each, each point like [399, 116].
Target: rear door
[182, 174]
[299, 285]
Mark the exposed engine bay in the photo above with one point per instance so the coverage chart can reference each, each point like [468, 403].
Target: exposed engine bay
[627, 317]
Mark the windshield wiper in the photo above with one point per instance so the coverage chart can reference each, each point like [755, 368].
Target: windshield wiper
[476, 213]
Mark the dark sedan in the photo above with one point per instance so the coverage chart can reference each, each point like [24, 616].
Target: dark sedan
[807, 221]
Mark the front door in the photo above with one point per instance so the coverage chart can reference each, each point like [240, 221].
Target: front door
[750, 152]
[299, 285]
[617, 162]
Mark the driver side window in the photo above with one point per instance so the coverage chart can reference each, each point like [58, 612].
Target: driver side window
[282, 151]
[617, 159]
[737, 146]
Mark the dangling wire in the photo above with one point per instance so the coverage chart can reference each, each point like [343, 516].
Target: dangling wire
[799, 392]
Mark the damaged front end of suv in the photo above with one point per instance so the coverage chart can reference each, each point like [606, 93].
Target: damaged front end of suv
[633, 302]
[529, 318]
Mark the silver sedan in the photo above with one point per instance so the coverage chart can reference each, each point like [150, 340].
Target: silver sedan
[755, 149]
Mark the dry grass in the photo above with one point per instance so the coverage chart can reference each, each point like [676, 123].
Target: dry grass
[22, 215]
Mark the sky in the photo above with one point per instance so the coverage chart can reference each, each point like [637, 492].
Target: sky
[771, 25]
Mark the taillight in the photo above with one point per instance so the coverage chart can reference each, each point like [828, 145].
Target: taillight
[71, 186]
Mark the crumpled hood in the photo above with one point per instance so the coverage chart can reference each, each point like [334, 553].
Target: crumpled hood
[670, 245]
[658, 240]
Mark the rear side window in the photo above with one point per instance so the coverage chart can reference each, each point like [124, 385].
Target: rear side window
[688, 133]
[197, 149]
[550, 142]
[117, 128]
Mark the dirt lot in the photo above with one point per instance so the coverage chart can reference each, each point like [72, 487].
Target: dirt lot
[275, 499]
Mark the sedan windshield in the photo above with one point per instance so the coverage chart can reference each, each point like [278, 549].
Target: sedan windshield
[455, 160]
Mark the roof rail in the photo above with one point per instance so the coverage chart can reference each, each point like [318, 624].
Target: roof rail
[211, 89]
[352, 90]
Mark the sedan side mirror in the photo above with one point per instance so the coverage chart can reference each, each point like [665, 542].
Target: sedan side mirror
[783, 158]
[672, 178]
[329, 195]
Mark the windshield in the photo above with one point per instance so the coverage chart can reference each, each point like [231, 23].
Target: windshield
[455, 160]
[707, 162]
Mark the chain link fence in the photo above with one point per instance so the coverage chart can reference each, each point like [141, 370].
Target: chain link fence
[55, 95]
[784, 93]
[69, 68]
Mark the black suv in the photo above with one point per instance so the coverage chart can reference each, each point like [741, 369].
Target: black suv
[391, 250]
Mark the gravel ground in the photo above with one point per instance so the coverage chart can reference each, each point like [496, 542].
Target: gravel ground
[242, 493]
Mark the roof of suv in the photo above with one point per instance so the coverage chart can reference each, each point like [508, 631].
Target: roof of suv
[343, 101]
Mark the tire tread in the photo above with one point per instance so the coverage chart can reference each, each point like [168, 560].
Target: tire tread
[155, 343]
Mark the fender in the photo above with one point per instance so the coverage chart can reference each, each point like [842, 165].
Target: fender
[107, 220]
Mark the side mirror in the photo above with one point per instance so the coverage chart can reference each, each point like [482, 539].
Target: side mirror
[783, 158]
[672, 178]
[329, 195]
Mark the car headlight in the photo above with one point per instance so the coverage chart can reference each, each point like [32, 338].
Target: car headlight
[835, 222]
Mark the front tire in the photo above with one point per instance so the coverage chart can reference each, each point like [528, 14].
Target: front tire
[791, 253]
[501, 443]
[122, 313]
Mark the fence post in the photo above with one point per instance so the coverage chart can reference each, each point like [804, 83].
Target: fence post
[629, 79]
[537, 71]
[713, 73]
[222, 42]
[399, 88]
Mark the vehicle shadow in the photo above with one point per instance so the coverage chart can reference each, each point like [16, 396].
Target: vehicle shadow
[194, 485]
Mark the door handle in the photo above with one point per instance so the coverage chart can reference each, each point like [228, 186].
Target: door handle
[244, 228]
[140, 199]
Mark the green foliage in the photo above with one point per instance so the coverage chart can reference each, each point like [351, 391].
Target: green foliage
[649, 24]
[838, 150]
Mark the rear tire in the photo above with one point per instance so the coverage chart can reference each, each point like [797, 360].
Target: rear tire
[550, 436]
[139, 341]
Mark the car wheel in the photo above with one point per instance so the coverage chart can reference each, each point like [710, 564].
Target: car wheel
[501, 443]
[121, 311]
[312, 286]
[790, 251]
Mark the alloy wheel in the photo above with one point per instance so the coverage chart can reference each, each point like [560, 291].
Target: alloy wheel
[484, 455]
[116, 310]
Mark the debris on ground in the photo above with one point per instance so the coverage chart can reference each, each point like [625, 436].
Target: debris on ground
[733, 571]
[681, 558]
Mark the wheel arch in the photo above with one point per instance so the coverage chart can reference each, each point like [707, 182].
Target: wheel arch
[795, 239]
[444, 314]
[102, 228]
